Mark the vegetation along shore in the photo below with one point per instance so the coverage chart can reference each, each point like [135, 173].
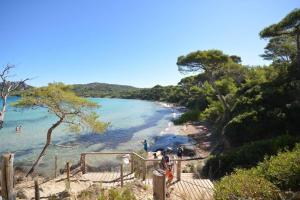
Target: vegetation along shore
[226, 131]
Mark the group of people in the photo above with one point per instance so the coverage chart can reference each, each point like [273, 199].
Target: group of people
[18, 128]
[165, 163]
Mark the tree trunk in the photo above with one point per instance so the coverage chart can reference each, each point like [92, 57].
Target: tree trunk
[219, 95]
[3, 110]
[298, 52]
[224, 139]
[226, 114]
[48, 142]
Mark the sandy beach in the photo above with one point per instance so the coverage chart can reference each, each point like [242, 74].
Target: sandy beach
[201, 134]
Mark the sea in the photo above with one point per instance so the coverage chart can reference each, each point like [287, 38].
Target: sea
[131, 122]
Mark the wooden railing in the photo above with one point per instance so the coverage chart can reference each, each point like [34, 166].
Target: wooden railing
[139, 164]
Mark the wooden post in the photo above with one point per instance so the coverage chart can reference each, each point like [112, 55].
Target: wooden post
[68, 171]
[7, 179]
[83, 164]
[55, 166]
[159, 185]
[145, 170]
[178, 170]
[121, 176]
[132, 163]
[36, 189]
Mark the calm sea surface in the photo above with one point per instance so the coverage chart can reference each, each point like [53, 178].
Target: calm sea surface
[132, 121]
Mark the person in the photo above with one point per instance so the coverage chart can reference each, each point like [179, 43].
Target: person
[169, 150]
[164, 161]
[170, 177]
[180, 151]
[17, 129]
[126, 159]
[169, 174]
[145, 145]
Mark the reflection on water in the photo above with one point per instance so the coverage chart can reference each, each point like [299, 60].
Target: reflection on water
[132, 121]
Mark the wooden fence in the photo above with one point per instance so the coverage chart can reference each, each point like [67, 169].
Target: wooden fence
[141, 167]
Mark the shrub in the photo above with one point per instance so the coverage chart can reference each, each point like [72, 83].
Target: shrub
[283, 170]
[264, 181]
[264, 111]
[117, 194]
[245, 184]
[246, 156]
[188, 116]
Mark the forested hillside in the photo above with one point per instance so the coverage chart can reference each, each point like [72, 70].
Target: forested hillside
[103, 90]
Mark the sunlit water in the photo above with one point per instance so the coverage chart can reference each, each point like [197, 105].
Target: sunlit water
[131, 121]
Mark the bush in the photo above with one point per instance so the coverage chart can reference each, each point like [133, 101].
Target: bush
[264, 111]
[188, 116]
[246, 156]
[264, 181]
[245, 184]
[117, 194]
[283, 170]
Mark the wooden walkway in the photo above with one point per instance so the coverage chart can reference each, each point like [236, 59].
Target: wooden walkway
[189, 188]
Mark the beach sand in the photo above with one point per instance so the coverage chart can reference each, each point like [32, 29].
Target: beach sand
[205, 141]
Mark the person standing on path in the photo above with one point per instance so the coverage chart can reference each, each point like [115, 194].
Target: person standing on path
[145, 145]
[180, 152]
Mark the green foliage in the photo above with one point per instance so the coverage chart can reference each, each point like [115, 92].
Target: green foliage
[271, 107]
[76, 112]
[264, 181]
[210, 60]
[96, 192]
[288, 25]
[260, 75]
[244, 184]
[246, 156]
[103, 90]
[117, 194]
[283, 170]
[281, 50]
[189, 116]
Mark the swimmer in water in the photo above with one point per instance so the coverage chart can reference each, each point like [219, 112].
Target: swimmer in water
[18, 128]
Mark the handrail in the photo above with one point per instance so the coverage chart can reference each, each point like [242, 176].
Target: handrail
[145, 160]
[136, 154]
[116, 153]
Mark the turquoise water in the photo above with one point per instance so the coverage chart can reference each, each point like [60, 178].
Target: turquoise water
[132, 121]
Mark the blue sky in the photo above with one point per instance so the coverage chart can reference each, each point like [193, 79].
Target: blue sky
[131, 42]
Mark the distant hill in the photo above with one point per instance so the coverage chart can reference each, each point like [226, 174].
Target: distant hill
[20, 90]
[96, 90]
[104, 90]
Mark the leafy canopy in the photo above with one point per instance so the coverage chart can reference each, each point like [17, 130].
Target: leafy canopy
[72, 110]
[209, 60]
[281, 49]
[290, 25]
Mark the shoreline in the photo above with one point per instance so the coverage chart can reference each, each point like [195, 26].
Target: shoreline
[200, 133]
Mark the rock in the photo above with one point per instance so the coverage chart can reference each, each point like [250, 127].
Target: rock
[297, 196]
[292, 195]
[66, 195]
[21, 194]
